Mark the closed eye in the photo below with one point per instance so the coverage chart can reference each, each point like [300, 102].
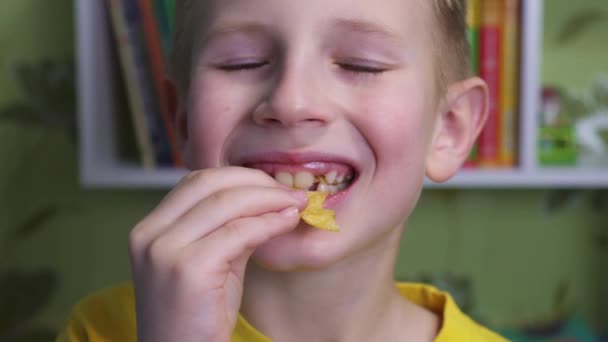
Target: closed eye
[361, 68]
[242, 66]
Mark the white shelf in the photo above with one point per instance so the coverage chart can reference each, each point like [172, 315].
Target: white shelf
[100, 165]
[544, 178]
[132, 176]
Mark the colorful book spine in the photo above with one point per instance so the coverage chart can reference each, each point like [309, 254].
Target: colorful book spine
[490, 46]
[158, 68]
[128, 63]
[156, 130]
[163, 18]
[169, 10]
[510, 83]
[473, 27]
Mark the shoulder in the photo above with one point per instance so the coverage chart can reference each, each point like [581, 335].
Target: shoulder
[107, 315]
[456, 326]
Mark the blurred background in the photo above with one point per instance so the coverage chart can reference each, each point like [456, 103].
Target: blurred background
[523, 248]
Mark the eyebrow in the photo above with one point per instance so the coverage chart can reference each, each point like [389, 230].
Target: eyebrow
[349, 25]
[365, 27]
[240, 27]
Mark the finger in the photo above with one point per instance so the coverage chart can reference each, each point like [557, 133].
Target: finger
[190, 190]
[227, 205]
[237, 240]
[200, 184]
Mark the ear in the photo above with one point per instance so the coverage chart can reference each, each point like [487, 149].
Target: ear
[462, 114]
[177, 114]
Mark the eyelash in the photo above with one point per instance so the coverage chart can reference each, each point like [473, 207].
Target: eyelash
[361, 69]
[242, 66]
[349, 67]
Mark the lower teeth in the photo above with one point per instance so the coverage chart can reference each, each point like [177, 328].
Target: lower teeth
[317, 183]
[322, 186]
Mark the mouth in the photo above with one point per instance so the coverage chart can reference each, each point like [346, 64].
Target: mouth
[308, 173]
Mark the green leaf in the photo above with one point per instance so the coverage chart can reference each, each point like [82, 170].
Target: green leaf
[578, 24]
[22, 296]
[35, 222]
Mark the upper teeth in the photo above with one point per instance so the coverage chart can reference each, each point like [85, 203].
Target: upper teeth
[331, 177]
[330, 182]
[284, 178]
[303, 180]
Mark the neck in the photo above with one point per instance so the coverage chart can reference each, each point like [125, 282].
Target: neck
[352, 300]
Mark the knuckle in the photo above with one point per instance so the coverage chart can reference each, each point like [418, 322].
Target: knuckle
[179, 270]
[190, 177]
[137, 236]
[235, 230]
[183, 268]
[157, 252]
[220, 197]
[198, 177]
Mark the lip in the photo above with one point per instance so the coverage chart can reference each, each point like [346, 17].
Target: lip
[311, 160]
[297, 158]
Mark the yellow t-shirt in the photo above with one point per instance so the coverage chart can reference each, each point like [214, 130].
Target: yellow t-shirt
[110, 316]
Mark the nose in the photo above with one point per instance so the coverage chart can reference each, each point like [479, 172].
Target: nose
[296, 98]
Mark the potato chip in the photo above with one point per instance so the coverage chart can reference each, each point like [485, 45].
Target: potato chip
[317, 216]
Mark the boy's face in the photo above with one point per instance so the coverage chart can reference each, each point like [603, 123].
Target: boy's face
[347, 83]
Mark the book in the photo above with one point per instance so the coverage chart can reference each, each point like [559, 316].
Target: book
[510, 83]
[169, 10]
[151, 105]
[159, 73]
[128, 65]
[163, 18]
[489, 69]
[473, 27]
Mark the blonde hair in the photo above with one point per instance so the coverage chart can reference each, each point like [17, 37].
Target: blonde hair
[452, 52]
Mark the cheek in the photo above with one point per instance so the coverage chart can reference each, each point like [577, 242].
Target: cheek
[398, 127]
[213, 115]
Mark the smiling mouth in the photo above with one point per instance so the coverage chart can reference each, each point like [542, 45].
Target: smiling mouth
[314, 176]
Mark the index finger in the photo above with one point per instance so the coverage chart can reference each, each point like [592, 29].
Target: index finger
[198, 185]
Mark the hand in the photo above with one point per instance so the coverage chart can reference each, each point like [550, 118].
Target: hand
[189, 254]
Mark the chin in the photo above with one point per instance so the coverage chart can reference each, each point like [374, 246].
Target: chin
[303, 249]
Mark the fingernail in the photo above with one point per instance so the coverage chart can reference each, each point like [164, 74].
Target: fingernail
[291, 211]
[299, 195]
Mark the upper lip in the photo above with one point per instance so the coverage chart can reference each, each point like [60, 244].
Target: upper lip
[295, 158]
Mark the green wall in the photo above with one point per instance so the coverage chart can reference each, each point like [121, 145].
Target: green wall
[513, 249]
[30, 29]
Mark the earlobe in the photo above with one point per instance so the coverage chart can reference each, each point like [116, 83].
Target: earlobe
[459, 121]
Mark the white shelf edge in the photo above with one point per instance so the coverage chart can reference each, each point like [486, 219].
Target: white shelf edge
[519, 178]
[130, 176]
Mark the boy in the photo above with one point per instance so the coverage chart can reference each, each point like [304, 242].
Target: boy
[357, 98]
